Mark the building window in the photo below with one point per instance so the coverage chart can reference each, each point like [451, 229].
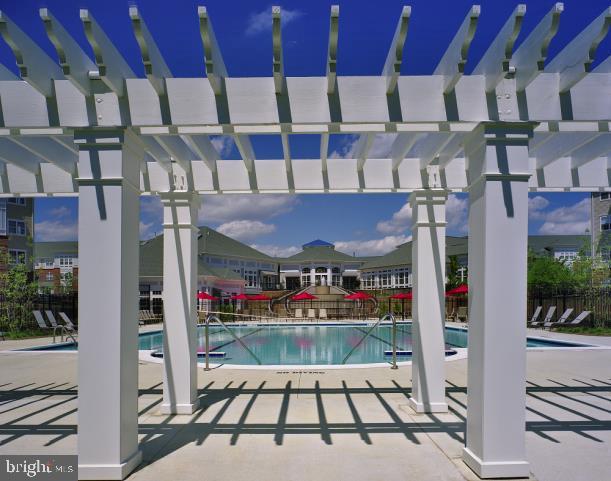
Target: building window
[251, 278]
[16, 227]
[568, 255]
[65, 261]
[305, 270]
[156, 293]
[49, 276]
[17, 201]
[336, 280]
[16, 256]
[605, 195]
[305, 280]
[605, 222]
[2, 216]
[321, 270]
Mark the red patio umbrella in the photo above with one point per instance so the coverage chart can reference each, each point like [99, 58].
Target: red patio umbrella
[239, 297]
[402, 295]
[204, 296]
[259, 297]
[457, 291]
[358, 296]
[304, 296]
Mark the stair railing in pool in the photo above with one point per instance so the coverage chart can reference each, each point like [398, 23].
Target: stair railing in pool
[232, 334]
[394, 338]
[64, 332]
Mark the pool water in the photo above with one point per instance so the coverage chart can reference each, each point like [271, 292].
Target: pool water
[311, 344]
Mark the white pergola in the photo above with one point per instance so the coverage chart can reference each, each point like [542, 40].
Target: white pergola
[94, 128]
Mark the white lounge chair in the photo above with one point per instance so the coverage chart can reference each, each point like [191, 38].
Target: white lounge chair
[40, 320]
[322, 313]
[69, 324]
[561, 320]
[536, 315]
[299, 313]
[548, 317]
[311, 313]
[575, 322]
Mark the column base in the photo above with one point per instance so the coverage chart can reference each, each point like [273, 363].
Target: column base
[190, 408]
[110, 471]
[427, 407]
[495, 469]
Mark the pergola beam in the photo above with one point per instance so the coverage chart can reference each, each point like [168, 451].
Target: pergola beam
[332, 50]
[155, 67]
[452, 64]
[15, 154]
[288, 163]
[450, 150]
[324, 152]
[600, 146]
[49, 150]
[157, 152]
[529, 58]
[213, 60]
[392, 66]
[363, 146]
[35, 66]
[575, 61]
[563, 146]
[430, 147]
[73, 60]
[177, 149]
[401, 146]
[494, 65]
[278, 61]
[112, 67]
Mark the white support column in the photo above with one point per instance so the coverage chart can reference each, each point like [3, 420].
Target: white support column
[497, 157]
[179, 302]
[109, 210]
[428, 261]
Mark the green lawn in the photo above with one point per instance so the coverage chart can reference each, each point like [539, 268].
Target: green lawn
[589, 331]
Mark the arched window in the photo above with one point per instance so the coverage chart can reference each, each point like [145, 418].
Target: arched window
[335, 270]
[321, 270]
[305, 270]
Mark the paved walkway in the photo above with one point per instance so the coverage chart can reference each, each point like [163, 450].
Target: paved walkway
[319, 425]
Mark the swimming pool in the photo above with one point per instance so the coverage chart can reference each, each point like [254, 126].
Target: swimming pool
[311, 344]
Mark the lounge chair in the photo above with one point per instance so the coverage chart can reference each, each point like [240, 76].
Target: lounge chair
[561, 320]
[450, 315]
[461, 313]
[69, 324]
[311, 313]
[40, 320]
[575, 322]
[322, 313]
[299, 313]
[536, 314]
[548, 317]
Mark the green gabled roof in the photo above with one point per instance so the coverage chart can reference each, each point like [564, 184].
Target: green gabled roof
[321, 254]
[151, 262]
[457, 246]
[48, 250]
[542, 243]
[214, 243]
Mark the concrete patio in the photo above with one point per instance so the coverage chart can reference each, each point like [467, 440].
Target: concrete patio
[319, 425]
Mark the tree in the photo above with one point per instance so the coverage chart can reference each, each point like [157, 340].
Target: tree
[18, 292]
[546, 271]
[453, 274]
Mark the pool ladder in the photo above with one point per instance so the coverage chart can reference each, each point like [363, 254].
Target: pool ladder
[394, 339]
[212, 317]
[64, 332]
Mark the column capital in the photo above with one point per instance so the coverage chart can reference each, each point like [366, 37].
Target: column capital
[428, 196]
[104, 137]
[180, 209]
[428, 207]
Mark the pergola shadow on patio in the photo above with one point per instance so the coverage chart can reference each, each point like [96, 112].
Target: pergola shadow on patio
[298, 418]
[93, 128]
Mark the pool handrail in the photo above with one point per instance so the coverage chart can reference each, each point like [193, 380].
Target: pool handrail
[384, 317]
[212, 317]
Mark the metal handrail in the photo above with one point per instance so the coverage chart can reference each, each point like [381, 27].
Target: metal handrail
[394, 347]
[64, 332]
[236, 338]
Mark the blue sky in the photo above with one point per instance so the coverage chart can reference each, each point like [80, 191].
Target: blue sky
[365, 224]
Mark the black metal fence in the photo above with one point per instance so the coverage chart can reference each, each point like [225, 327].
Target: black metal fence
[19, 315]
[596, 300]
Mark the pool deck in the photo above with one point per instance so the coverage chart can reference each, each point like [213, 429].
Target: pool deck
[295, 424]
